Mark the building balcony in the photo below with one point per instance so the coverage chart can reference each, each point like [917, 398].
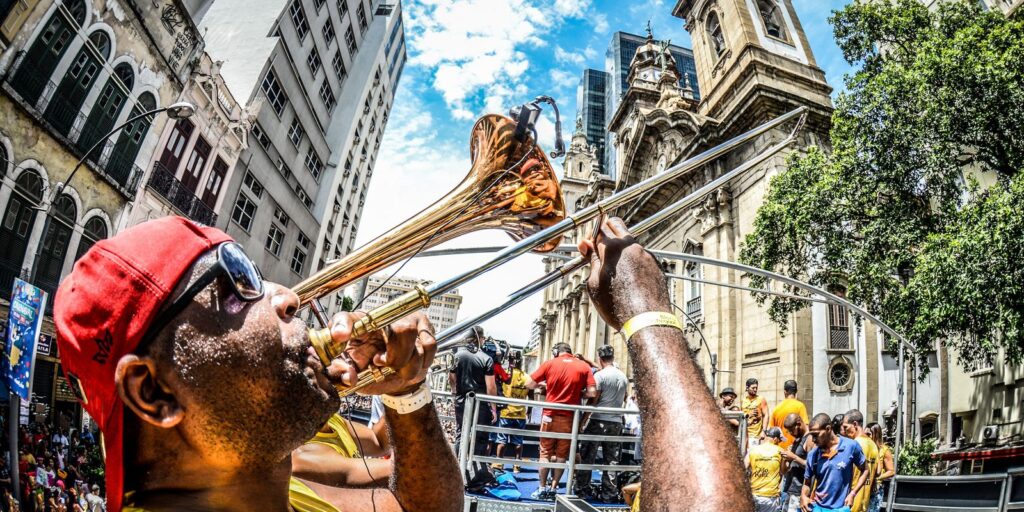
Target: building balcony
[163, 182]
[693, 307]
[64, 120]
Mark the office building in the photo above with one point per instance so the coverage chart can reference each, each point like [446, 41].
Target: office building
[443, 310]
[618, 57]
[590, 104]
[324, 74]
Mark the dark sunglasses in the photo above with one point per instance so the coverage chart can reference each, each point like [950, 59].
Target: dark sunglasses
[245, 279]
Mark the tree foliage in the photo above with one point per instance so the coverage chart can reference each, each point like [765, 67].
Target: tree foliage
[937, 99]
[916, 459]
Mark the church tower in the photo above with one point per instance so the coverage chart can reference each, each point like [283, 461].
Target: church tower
[581, 162]
[753, 62]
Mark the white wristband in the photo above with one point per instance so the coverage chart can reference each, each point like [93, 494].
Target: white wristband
[411, 402]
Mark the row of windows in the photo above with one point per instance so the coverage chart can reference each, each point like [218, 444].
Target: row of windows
[245, 210]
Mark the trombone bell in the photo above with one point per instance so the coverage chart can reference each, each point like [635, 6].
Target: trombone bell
[511, 186]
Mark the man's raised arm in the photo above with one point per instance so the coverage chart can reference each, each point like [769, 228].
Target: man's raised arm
[686, 464]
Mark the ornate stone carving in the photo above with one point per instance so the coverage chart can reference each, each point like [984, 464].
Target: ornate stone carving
[714, 211]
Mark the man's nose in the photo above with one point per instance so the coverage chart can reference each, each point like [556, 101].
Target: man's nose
[284, 300]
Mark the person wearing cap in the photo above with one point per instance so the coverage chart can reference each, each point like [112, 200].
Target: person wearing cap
[203, 380]
[766, 466]
[727, 403]
[790, 405]
[473, 372]
[611, 393]
[756, 409]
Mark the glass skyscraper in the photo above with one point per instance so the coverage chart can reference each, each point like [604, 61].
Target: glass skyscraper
[590, 99]
[620, 54]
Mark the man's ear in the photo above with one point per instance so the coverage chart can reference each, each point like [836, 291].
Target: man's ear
[143, 392]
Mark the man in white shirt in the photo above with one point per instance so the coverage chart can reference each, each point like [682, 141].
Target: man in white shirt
[611, 393]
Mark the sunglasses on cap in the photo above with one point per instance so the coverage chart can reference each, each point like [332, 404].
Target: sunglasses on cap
[245, 279]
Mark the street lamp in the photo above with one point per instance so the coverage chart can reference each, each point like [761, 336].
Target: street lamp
[179, 110]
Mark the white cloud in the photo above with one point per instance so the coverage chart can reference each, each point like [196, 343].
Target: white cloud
[472, 45]
[572, 8]
[600, 23]
[563, 78]
[566, 57]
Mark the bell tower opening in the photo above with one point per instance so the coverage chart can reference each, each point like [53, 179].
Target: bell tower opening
[752, 56]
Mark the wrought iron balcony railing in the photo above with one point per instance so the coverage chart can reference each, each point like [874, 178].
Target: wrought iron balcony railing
[163, 182]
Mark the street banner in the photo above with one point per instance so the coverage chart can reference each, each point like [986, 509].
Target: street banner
[23, 326]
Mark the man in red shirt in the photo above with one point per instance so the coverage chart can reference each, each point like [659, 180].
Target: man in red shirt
[566, 379]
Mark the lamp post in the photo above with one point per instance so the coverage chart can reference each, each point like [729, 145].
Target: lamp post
[179, 110]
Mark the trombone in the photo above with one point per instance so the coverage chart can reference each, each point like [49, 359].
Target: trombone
[445, 339]
[531, 197]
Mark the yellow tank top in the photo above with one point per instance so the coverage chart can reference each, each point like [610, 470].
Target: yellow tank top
[339, 438]
[863, 498]
[754, 420]
[635, 507]
[300, 497]
[765, 469]
[516, 388]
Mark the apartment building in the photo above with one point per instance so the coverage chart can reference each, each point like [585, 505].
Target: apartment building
[443, 310]
[323, 75]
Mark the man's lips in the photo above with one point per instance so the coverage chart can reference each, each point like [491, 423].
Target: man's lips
[314, 363]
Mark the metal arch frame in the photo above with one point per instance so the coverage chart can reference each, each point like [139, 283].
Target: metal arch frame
[904, 344]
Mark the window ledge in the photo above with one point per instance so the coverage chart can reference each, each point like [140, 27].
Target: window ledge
[982, 372]
[849, 351]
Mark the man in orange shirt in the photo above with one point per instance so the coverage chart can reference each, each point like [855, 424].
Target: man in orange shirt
[786, 407]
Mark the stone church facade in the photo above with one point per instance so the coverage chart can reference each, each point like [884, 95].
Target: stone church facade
[753, 64]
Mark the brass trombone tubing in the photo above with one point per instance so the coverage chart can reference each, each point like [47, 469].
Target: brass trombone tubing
[444, 338]
[413, 301]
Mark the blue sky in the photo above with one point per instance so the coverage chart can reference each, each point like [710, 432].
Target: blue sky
[470, 57]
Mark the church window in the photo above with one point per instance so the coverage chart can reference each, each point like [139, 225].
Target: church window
[715, 34]
[771, 15]
[838, 323]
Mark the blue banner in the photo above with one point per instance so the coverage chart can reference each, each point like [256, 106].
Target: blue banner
[23, 325]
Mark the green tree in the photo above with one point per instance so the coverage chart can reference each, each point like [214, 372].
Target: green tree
[916, 459]
[890, 212]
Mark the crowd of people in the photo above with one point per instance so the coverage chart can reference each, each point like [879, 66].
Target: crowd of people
[820, 464]
[59, 470]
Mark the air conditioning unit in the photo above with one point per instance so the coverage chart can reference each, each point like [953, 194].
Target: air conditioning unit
[990, 434]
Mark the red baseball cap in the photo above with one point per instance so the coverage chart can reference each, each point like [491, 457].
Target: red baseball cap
[103, 308]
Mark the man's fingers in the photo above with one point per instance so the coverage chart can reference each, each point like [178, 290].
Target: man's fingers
[342, 323]
[615, 226]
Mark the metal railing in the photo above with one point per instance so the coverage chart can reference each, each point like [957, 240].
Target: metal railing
[467, 447]
[163, 182]
[974, 493]
[693, 306]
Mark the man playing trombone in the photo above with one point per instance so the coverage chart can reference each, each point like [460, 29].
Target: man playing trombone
[203, 381]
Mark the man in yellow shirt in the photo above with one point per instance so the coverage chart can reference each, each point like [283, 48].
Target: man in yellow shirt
[786, 407]
[513, 416]
[756, 409]
[853, 428]
[766, 466]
